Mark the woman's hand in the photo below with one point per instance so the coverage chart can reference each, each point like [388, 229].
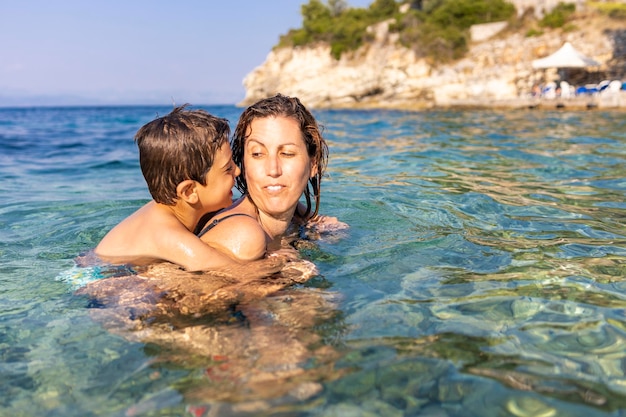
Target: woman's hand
[326, 224]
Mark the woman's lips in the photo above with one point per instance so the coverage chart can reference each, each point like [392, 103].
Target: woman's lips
[274, 188]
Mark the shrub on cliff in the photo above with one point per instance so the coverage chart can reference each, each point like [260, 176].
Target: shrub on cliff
[441, 29]
[429, 39]
[558, 16]
[433, 28]
[464, 13]
[614, 10]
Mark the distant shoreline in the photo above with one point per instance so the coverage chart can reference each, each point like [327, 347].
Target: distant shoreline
[597, 102]
[579, 103]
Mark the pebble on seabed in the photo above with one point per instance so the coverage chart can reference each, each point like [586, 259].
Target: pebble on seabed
[529, 407]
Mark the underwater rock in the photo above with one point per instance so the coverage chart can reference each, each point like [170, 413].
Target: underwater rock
[525, 308]
[349, 410]
[356, 385]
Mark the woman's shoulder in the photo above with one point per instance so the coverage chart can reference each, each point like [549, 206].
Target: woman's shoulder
[212, 219]
[237, 232]
[213, 222]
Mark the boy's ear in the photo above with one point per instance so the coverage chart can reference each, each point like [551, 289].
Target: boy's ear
[186, 191]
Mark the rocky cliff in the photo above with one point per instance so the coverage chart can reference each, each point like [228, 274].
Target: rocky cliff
[383, 74]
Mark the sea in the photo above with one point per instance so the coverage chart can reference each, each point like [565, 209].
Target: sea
[483, 274]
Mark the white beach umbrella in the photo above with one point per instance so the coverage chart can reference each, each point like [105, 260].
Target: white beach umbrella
[566, 57]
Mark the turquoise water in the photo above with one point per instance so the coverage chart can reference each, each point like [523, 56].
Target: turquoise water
[483, 274]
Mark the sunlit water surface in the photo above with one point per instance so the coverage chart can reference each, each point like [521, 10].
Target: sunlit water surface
[483, 274]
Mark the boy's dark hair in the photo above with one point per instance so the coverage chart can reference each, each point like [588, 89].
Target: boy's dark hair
[177, 147]
[290, 107]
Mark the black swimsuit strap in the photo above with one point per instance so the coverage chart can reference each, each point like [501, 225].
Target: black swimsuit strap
[215, 222]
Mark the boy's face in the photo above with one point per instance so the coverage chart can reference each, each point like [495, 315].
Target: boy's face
[217, 193]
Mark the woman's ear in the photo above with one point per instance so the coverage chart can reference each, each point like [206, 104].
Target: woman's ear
[187, 191]
[313, 169]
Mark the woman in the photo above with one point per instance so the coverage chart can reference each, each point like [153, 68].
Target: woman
[282, 155]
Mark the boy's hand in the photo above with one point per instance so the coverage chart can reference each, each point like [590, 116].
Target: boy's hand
[286, 254]
[253, 270]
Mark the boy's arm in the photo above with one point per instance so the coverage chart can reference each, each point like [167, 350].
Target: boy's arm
[196, 255]
[188, 251]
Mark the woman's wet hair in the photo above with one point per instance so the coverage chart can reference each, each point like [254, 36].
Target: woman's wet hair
[177, 147]
[289, 107]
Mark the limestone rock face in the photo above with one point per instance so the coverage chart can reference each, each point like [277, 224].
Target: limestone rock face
[383, 74]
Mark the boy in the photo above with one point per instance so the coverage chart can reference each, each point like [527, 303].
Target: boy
[186, 160]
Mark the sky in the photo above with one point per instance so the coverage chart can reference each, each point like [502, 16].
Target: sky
[110, 52]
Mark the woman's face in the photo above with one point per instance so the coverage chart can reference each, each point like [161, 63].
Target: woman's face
[277, 165]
